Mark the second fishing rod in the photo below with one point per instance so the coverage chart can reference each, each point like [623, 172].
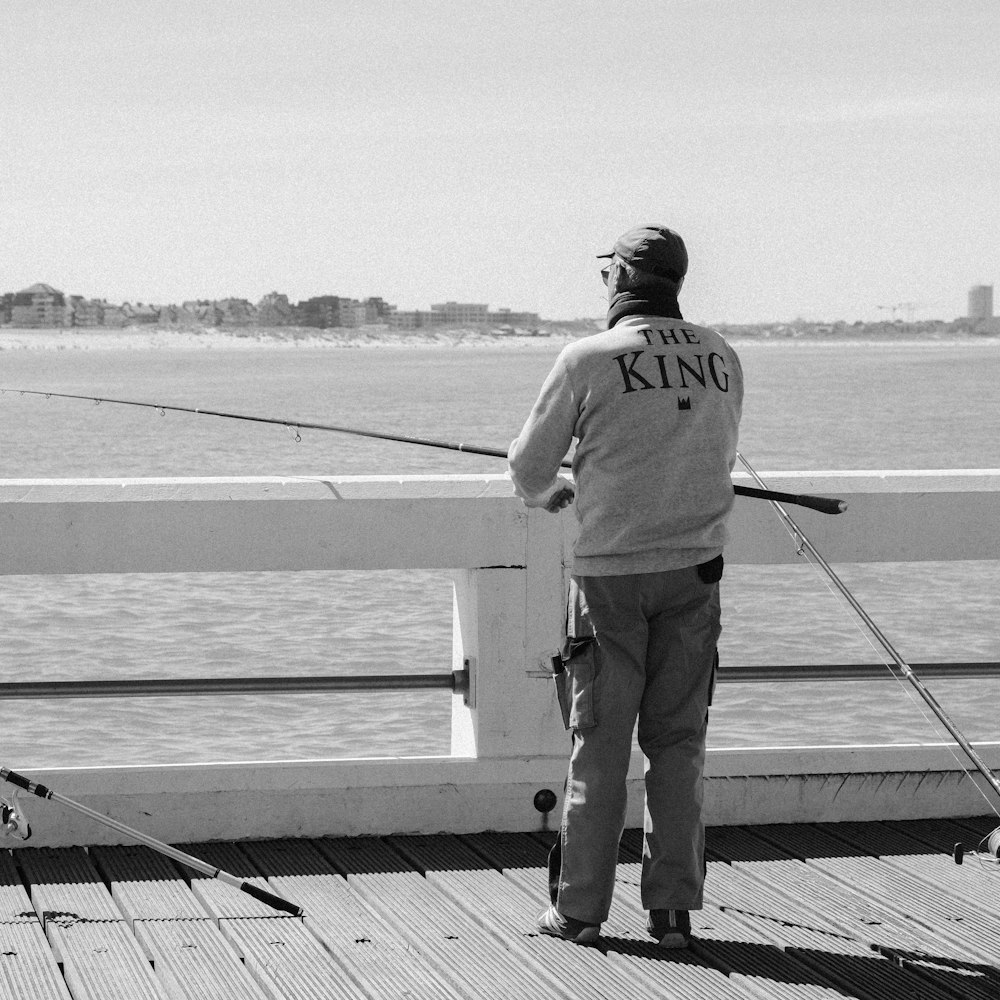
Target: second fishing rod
[825, 505]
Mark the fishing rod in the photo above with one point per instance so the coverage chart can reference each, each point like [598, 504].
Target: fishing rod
[825, 505]
[992, 841]
[15, 823]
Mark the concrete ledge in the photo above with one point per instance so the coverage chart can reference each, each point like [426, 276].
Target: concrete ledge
[185, 803]
[847, 759]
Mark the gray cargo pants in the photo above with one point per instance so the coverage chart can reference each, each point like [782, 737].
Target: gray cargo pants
[653, 659]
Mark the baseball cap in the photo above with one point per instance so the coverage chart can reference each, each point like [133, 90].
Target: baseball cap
[654, 249]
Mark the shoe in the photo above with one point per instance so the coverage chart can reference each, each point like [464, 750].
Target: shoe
[554, 923]
[671, 928]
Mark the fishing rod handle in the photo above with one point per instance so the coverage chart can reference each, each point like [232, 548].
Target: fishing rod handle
[825, 505]
[22, 782]
[271, 900]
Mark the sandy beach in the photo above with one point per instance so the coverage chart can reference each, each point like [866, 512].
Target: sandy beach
[292, 338]
[255, 338]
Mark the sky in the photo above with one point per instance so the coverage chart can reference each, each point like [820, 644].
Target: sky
[823, 159]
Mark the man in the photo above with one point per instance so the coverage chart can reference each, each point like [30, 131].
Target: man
[654, 404]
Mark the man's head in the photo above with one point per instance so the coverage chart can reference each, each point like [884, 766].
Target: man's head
[647, 257]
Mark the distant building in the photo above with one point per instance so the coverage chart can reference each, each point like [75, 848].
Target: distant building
[460, 313]
[405, 319]
[412, 319]
[206, 312]
[274, 309]
[322, 311]
[237, 312]
[377, 310]
[139, 314]
[347, 313]
[175, 316]
[505, 317]
[39, 306]
[112, 315]
[86, 312]
[981, 302]
[353, 313]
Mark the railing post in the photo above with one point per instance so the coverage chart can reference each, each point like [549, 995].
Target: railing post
[507, 623]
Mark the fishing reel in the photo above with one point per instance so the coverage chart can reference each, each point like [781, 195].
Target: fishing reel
[987, 851]
[13, 822]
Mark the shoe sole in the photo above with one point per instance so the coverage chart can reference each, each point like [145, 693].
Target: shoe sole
[588, 936]
[673, 940]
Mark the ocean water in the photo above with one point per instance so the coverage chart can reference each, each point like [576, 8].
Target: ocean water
[809, 406]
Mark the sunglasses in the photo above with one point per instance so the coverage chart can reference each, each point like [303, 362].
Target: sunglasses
[605, 271]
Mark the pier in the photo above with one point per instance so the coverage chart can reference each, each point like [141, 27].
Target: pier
[829, 867]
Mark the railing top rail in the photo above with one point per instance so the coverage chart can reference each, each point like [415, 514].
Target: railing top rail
[400, 522]
[856, 480]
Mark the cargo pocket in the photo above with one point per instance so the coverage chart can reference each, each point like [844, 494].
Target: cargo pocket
[713, 678]
[575, 683]
[711, 571]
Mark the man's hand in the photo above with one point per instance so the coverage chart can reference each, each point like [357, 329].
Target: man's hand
[563, 497]
[560, 494]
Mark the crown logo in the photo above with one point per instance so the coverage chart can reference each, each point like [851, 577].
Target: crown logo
[684, 403]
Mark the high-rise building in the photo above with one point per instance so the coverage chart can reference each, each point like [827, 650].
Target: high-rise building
[981, 302]
[460, 312]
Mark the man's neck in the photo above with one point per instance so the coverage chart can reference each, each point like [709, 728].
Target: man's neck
[642, 304]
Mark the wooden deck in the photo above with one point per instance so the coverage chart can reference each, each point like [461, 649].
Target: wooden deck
[868, 910]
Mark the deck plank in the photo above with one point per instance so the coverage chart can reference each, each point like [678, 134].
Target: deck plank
[194, 961]
[376, 956]
[65, 886]
[146, 885]
[823, 924]
[755, 931]
[852, 911]
[427, 916]
[924, 850]
[191, 956]
[958, 927]
[15, 903]
[219, 899]
[288, 961]
[28, 968]
[103, 961]
[508, 911]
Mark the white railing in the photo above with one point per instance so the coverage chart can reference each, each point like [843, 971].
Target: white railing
[509, 567]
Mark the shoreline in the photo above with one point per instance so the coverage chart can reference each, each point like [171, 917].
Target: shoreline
[256, 338]
[301, 338]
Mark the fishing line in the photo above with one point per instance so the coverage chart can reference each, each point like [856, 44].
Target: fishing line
[825, 505]
[805, 547]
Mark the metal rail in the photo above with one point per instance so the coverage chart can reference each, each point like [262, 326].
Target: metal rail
[173, 687]
[853, 672]
[457, 681]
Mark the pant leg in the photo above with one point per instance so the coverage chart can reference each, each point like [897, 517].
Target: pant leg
[673, 718]
[582, 873]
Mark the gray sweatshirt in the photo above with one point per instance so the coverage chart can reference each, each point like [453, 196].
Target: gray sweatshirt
[654, 404]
